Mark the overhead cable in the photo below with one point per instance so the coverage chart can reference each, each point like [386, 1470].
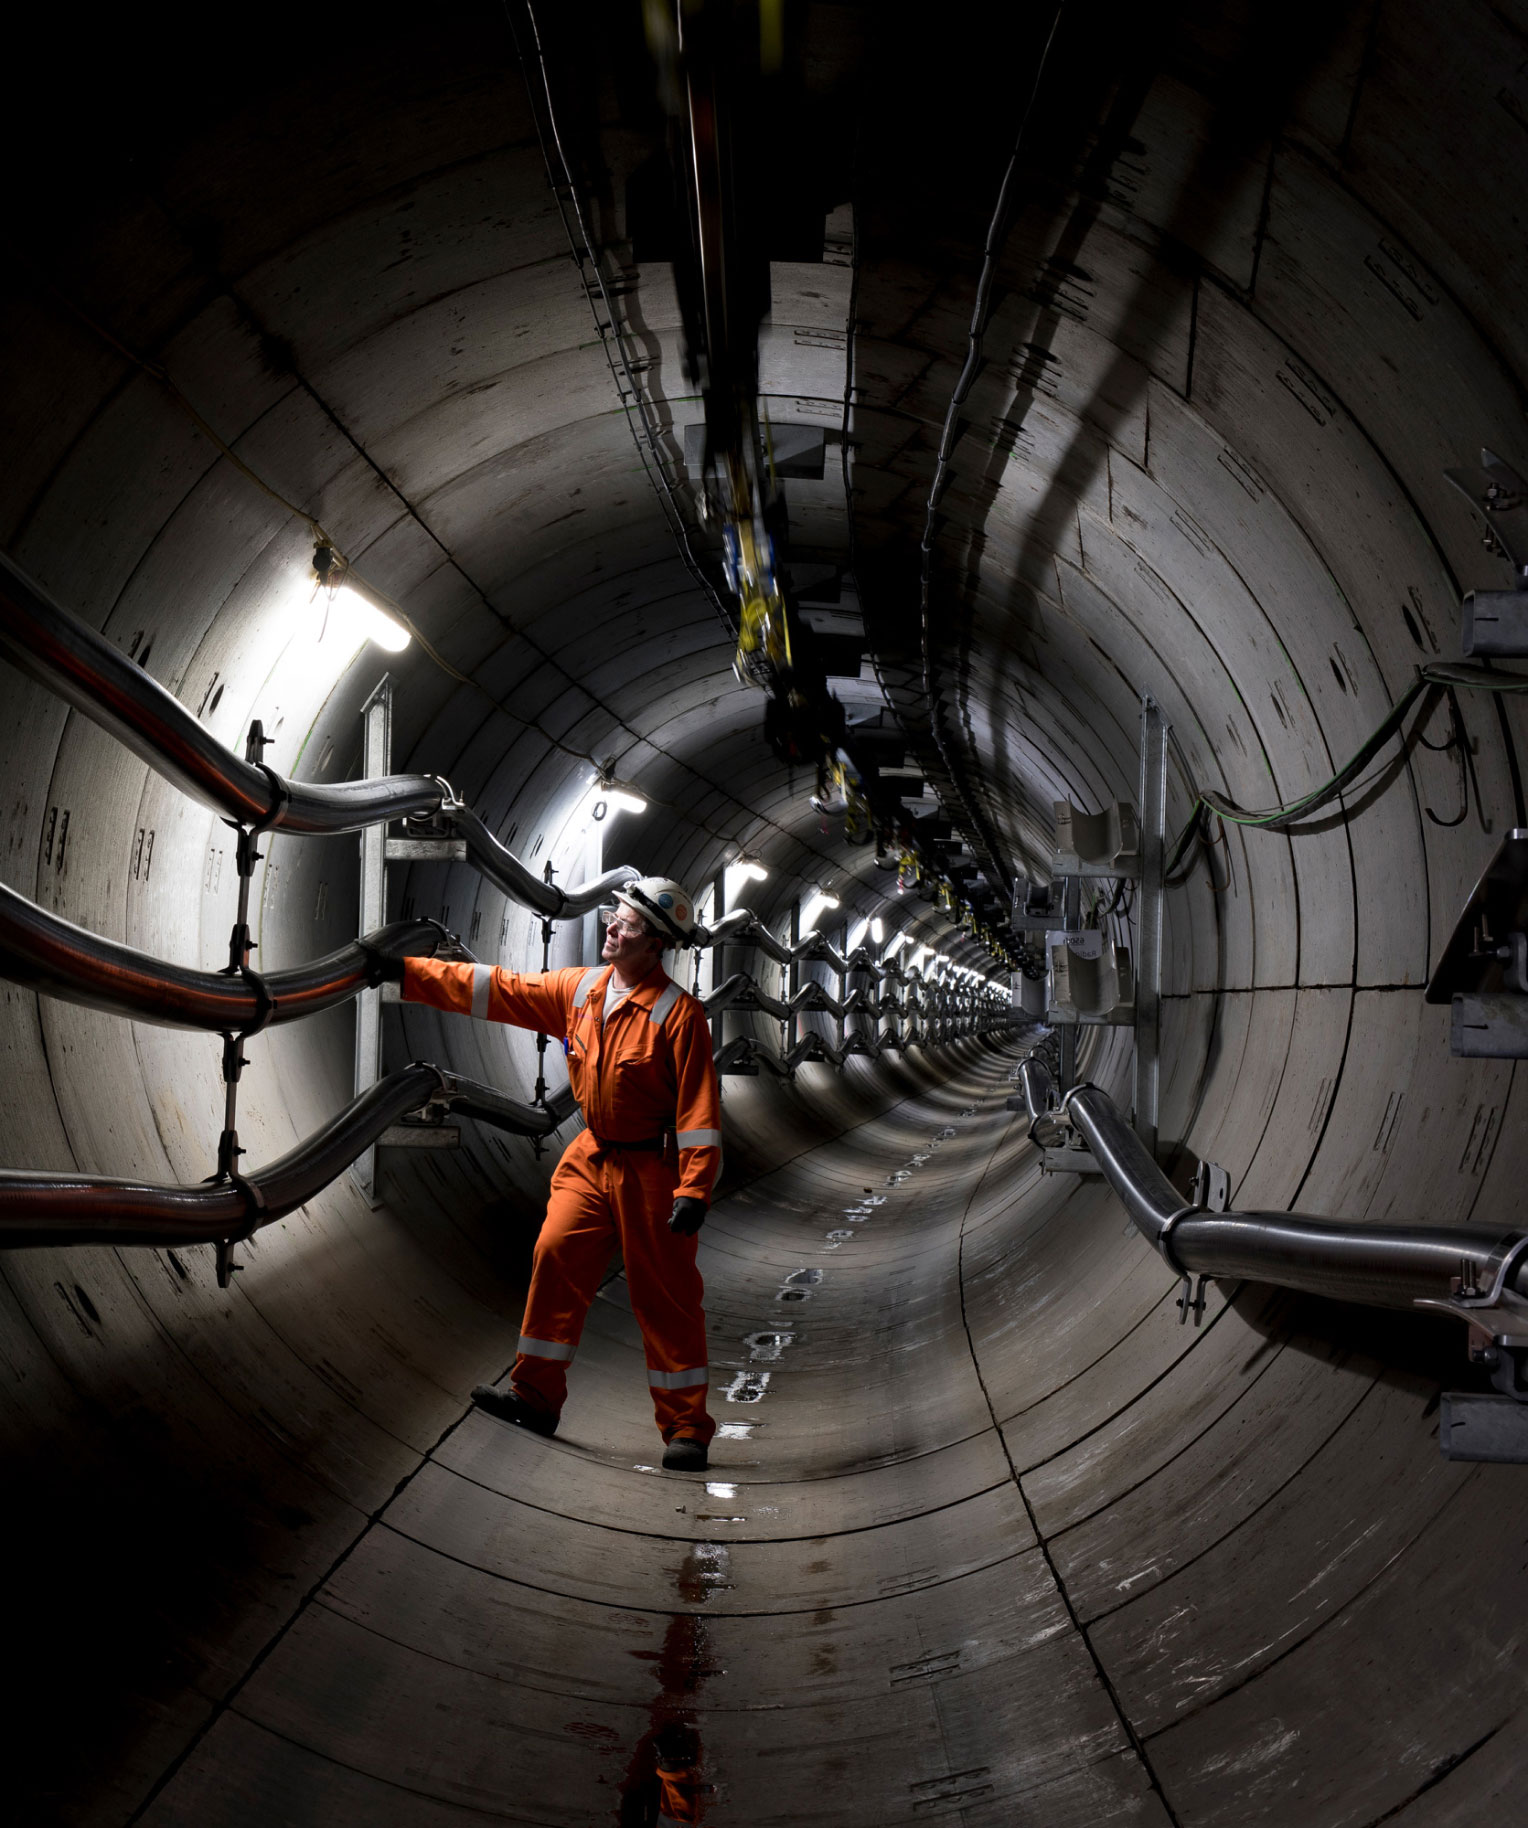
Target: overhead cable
[1449, 676]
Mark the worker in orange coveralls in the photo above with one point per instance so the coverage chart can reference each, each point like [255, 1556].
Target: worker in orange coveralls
[639, 1060]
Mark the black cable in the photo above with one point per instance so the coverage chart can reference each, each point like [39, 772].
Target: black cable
[996, 234]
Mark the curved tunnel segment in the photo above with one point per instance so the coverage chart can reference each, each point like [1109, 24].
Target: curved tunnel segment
[994, 1532]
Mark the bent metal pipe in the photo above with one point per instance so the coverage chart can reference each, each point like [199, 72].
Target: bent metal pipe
[68, 657]
[1379, 1265]
[53, 956]
[87, 671]
[39, 1209]
[62, 653]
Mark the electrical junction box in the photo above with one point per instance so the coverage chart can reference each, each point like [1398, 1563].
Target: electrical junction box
[1493, 624]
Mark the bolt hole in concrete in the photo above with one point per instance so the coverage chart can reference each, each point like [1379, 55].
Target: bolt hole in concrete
[746, 1387]
[767, 1346]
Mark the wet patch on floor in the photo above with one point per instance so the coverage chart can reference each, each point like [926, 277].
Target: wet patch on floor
[746, 1387]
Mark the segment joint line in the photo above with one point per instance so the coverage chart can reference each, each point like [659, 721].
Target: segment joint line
[1137, 1744]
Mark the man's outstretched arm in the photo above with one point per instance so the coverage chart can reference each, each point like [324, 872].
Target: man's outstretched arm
[533, 1000]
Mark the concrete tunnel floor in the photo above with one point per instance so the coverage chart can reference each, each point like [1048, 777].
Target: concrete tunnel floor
[839, 1604]
[922, 1352]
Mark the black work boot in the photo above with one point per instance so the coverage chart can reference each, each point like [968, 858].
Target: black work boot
[684, 1454]
[510, 1408]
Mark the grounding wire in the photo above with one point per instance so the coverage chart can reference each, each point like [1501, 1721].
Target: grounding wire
[1282, 818]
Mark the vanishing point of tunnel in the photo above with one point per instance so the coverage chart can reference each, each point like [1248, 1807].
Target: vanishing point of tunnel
[1105, 353]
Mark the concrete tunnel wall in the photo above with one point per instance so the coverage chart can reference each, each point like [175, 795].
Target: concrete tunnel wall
[1004, 1544]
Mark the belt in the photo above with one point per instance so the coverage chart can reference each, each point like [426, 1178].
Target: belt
[651, 1144]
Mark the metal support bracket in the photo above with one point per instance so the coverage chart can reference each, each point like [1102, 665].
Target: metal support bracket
[1069, 1160]
[376, 760]
[227, 1267]
[1483, 971]
[1211, 1188]
[1500, 497]
[1191, 1299]
[1474, 1426]
[425, 850]
[1497, 1318]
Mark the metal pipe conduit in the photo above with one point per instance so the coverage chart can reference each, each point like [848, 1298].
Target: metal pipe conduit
[53, 956]
[83, 668]
[1380, 1265]
[40, 1209]
[740, 991]
[64, 654]
[505, 870]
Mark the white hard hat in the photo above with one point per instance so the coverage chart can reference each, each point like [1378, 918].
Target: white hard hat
[666, 905]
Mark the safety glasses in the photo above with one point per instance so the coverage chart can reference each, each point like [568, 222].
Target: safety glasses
[620, 922]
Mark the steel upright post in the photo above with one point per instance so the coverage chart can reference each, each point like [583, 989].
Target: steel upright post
[376, 761]
[792, 976]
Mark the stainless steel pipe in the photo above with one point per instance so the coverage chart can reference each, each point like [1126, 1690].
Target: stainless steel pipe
[52, 955]
[83, 668]
[58, 650]
[1381, 1265]
[505, 870]
[39, 1209]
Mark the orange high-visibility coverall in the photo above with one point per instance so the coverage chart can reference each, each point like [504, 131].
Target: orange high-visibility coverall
[646, 1073]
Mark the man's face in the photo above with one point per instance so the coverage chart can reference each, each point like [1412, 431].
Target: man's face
[630, 943]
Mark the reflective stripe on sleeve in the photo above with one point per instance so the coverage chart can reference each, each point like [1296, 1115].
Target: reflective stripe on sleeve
[545, 1348]
[665, 1003]
[698, 1139]
[679, 1380]
[585, 985]
[482, 983]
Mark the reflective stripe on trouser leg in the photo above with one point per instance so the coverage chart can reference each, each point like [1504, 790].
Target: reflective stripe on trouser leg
[666, 1293]
[572, 1254]
[545, 1348]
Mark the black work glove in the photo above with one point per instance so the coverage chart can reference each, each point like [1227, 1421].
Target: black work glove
[382, 967]
[688, 1216]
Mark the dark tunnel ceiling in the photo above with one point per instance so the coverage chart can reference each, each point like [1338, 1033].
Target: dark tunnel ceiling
[1015, 1547]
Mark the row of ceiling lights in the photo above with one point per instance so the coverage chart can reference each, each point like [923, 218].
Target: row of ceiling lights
[352, 616]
